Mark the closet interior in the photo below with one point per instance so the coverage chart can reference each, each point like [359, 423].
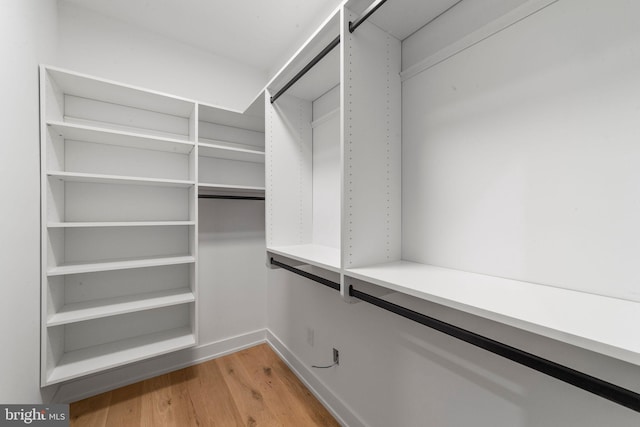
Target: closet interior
[416, 198]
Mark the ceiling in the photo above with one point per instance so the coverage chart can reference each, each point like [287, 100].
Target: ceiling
[259, 33]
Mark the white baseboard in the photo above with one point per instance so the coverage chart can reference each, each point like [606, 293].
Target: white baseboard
[341, 411]
[129, 374]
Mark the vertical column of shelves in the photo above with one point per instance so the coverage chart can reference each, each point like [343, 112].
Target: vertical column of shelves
[119, 224]
[304, 157]
[231, 151]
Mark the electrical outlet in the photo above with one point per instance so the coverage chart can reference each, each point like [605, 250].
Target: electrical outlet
[336, 356]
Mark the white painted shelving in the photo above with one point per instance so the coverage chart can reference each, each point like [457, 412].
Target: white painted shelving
[90, 360]
[427, 172]
[81, 311]
[304, 156]
[115, 179]
[100, 135]
[231, 151]
[123, 264]
[119, 224]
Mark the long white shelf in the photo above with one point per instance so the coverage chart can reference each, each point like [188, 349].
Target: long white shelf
[317, 255]
[602, 324]
[93, 134]
[117, 179]
[210, 188]
[97, 358]
[90, 267]
[117, 224]
[220, 150]
[85, 86]
[88, 310]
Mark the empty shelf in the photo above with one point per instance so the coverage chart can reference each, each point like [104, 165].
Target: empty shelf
[88, 310]
[222, 151]
[318, 255]
[118, 224]
[93, 134]
[246, 190]
[117, 179]
[602, 324]
[105, 356]
[88, 267]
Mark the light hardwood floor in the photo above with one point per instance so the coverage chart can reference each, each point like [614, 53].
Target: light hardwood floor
[250, 388]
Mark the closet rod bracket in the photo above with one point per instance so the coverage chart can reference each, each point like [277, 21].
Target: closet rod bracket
[366, 14]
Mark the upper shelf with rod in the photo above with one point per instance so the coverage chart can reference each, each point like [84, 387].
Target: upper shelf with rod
[315, 69]
[400, 18]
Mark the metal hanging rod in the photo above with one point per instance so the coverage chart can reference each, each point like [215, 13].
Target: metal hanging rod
[335, 42]
[609, 391]
[366, 14]
[604, 389]
[214, 196]
[321, 280]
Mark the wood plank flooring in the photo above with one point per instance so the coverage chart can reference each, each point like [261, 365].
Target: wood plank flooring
[249, 388]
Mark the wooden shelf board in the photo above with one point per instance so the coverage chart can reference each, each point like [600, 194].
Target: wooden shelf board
[317, 255]
[220, 150]
[89, 267]
[602, 324]
[98, 358]
[93, 134]
[88, 310]
[118, 224]
[117, 179]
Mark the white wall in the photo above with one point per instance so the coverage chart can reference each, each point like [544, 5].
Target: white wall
[98, 45]
[233, 283]
[521, 153]
[27, 37]
[557, 91]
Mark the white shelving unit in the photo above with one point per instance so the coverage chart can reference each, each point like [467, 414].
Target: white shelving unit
[88, 267]
[115, 179]
[231, 151]
[97, 358]
[401, 210]
[98, 135]
[119, 224]
[304, 156]
[533, 307]
[81, 311]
